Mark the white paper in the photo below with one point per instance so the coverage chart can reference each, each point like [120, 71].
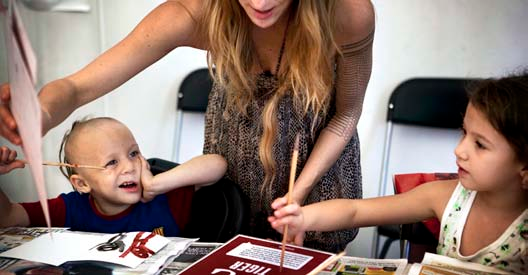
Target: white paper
[78, 246]
[269, 255]
[24, 103]
[28, 55]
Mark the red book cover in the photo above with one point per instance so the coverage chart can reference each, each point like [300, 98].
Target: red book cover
[249, 255]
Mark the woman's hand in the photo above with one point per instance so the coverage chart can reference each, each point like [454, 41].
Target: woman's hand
[8, 160]
[8, 126]
[291, 215]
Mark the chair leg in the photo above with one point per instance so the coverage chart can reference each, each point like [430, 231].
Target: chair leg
[375, 244]
[404, 248]
[385, 248]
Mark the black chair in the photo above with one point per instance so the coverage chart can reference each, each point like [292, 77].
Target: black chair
[218, 211]
[423, 102]
[193, 96]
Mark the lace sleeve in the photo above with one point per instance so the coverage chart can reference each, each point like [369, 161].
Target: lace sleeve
[353, 74]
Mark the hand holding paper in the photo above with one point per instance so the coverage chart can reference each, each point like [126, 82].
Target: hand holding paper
[24, 104]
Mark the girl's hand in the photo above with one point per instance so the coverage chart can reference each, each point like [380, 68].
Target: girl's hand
[291, 215]
[147, 181]
[8, 160]
[8, 126]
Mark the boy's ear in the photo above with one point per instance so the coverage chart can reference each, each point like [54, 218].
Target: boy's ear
[524, 178]
[79, 184]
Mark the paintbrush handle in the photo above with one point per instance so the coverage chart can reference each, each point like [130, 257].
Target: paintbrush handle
[49, 163]
[330, 261]
[293, 169]
[72, 165]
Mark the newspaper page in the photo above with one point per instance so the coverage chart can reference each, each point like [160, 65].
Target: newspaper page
[433, 264]
[353, 265]
[190, 255]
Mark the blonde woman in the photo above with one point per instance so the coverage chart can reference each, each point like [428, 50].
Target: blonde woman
[282, 67]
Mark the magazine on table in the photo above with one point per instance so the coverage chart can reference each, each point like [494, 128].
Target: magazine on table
[249, 255]
[353, 265]
[443, 265]
[191, 254]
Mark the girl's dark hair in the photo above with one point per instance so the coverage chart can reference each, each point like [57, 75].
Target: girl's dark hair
[504, 101]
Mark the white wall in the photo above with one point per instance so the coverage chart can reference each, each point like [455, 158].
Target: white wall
[452, 38]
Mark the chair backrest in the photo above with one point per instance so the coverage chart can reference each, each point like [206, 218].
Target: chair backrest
[406, 182]
[194, 91]
[191, 104]
[423, 236]
[423, 117]
[218, 211]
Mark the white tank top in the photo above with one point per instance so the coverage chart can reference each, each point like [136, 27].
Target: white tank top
[509, 252]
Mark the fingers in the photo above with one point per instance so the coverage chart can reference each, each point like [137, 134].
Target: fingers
[279, 203]
[7, 155]
[8, 160]
[278, 222]
[5, 95]
[146, 179]
[299, 239]
[287, 210]
[8, 126]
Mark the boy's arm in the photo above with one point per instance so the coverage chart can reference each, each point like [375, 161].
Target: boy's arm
[13, 214]
[198, 171]
[425, 201]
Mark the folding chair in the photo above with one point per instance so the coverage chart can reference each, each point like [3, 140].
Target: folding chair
[191, 104]
[422, 116]
[218, 211]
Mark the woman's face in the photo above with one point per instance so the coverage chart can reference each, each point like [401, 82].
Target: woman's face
[265, 13]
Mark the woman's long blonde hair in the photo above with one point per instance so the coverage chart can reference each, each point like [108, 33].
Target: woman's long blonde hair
[306, 72]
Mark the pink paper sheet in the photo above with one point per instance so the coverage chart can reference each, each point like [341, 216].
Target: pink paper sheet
[24, 103]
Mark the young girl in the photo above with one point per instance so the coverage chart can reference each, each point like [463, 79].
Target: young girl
[123, 195]
[484, 213]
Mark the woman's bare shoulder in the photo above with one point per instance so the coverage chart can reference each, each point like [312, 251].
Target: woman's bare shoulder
[355, 20]
[191, 9]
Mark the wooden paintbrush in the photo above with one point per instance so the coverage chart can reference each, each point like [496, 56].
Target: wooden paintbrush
[330, 261]
[48, 163]
[293, 169]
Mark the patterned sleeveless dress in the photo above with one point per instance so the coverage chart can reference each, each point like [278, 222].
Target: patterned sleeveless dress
[236, 137]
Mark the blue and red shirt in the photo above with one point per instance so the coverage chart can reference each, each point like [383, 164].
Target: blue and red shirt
[167, 213]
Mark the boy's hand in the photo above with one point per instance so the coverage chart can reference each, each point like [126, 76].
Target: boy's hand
[8, 126]
[8, 160]
[291, 215]
[147, 181]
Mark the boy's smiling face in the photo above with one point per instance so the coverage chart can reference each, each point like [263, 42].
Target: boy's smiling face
[109, 144]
